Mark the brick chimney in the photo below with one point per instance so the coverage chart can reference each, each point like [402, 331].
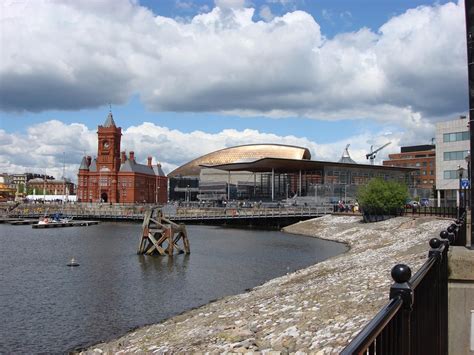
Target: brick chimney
[149, 161]
[123, 157]
[132, 155]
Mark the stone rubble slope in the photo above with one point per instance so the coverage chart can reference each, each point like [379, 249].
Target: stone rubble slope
[314, 310]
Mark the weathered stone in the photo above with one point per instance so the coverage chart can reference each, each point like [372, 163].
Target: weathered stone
[315, 310]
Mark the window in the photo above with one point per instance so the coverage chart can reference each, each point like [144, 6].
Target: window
[424, 163]
[451, 174]
[455, 137]
[459, 155]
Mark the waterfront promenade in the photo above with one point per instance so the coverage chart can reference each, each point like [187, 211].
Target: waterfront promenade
[315, 310]
[179, 214]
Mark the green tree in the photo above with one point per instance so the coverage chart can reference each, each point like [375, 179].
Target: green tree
[382, 197]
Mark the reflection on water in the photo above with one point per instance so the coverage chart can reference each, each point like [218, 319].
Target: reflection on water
[46, 306]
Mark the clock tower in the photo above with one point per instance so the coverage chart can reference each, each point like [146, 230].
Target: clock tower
[108, 149]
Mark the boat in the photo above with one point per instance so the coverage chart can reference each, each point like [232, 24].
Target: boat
[73, 263]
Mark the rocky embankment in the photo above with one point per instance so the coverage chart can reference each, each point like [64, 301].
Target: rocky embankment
[314, 310]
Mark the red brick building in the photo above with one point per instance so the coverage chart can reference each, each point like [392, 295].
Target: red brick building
[418, 156]
[51, 186]
[114, 177]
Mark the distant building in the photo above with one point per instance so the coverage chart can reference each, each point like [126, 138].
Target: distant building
[7, 193]
[422, 157]
[41, 186]
[452, 149]
[275, 172]
[114, 177]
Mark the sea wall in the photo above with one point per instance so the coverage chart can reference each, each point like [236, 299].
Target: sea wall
[314, 310]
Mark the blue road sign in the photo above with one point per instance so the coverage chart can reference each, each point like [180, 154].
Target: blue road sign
[465, 183]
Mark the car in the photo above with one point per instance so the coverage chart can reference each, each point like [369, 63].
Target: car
[412, 204]
[425, 202]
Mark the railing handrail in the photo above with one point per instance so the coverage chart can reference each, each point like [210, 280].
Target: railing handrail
[368, 334]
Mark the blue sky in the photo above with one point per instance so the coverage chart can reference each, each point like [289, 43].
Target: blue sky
[189, 77]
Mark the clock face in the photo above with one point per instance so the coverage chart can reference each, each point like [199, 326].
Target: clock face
[105, 144]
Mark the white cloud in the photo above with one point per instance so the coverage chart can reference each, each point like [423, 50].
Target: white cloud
[266, 13]
[54, 143]
[73, 54]
[230, 4]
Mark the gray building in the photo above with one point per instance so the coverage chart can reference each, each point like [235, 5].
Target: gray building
[452, 151]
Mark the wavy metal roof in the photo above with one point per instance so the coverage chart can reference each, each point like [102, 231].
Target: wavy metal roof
[241, 153]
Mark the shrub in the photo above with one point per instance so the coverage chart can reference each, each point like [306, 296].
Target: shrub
[382, 197]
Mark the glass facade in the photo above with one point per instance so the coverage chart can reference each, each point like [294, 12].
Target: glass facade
[459, 155]
[456, 137]
[326, 185]
[451, 174]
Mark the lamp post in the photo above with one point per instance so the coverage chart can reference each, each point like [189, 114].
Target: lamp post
[468, 10]
[468, 189]
[157, 194]
[460, 174]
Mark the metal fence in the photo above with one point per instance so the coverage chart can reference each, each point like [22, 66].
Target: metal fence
[415, 320]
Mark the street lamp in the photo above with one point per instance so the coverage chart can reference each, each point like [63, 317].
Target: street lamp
[468, 161]
[460, 174]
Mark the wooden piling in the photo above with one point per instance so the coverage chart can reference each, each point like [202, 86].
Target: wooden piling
[160, 236]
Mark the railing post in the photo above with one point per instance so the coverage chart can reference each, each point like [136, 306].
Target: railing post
[440, 317]
[401, 274]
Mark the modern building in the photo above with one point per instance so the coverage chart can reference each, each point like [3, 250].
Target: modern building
[452, 153]
[274, 172]
[422, 157]
[117, 178]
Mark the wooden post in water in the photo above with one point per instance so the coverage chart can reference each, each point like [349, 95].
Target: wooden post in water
[160, 236]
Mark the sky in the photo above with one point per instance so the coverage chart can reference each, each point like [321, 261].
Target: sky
[185, 77]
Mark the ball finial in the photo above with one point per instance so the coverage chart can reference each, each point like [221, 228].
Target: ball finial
[444, 235]
[401, 273]
[435, 243]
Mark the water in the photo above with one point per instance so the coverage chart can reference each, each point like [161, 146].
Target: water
[46, 306]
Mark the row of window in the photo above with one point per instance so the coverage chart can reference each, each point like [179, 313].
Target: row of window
[451, 174]
[456, 137]
[459, 155]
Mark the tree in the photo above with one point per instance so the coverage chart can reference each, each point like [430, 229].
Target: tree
[380, 197]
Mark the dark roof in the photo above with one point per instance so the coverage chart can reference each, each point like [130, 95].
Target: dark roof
[132, 166]
[417, 148]
[294, 165]
[84, 165]
[109, 122]
[93, 166]
[158, 171]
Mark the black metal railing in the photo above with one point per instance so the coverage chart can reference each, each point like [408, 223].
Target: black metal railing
[415, 320]
[450, 212]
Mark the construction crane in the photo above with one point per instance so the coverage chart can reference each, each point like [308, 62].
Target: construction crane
[371, 156]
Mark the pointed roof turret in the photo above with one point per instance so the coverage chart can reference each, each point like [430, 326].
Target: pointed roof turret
[84, 164]
[109, 122]
[93, 166]
[346, 158]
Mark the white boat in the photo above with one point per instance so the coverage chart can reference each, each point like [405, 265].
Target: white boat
[73, 263]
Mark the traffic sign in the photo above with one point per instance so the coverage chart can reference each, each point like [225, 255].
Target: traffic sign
[465, 183]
